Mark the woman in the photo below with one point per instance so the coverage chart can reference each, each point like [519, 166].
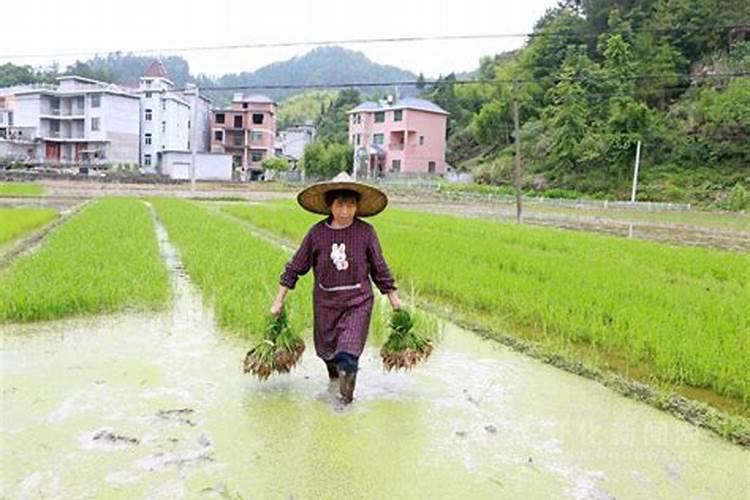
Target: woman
[344, 254]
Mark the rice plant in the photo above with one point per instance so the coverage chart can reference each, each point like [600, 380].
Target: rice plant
[21, 189]
[103, 259]
[15, 222]
[683, 311]
[237, 272]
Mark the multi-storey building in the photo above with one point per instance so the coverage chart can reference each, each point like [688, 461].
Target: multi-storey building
[167, 117]
[247, 131]
[403, 136]
[78, 121]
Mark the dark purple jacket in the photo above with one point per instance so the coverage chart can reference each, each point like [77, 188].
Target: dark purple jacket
[343, 261]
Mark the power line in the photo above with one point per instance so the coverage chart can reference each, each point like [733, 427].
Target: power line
[364, 41]
[410, 83]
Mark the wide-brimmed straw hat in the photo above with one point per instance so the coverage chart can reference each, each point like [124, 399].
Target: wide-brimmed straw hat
[372, 200]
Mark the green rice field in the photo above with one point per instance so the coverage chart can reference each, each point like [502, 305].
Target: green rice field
[237, 272]
[21, 189]
[15, 222]
[682, 311]
[104, 259]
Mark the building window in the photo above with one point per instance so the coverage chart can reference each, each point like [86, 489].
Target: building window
[359, 118]
[256, 136]
[431, 167]
[396, 166]
[398, 115]
[220, 118]
[148, 115]
[238, 139]
[163, 104]
[147, 160]
[353, 135]
[257, 118]
[380, 117]
[244, 105]
[148, 95]
[378, 138]
[421, 140]
[354, 118]
[237, 121]
[163, 126]
[358, 139]
[96, 101]
[219, 135]
[188, 124]
[148, 140]
[95, 124]
[257, 156]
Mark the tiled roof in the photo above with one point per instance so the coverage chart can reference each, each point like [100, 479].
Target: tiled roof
[407, 102]
[156, 70]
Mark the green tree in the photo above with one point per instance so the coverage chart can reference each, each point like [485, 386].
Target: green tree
[323, 161]
[333, 124]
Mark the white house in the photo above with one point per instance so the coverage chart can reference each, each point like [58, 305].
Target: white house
[78, 121]
[293, 140]
[167, 116]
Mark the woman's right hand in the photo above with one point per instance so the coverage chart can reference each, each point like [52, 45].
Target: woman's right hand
[276, 307]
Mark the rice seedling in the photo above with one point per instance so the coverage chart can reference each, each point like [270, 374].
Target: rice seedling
[681, 311]
[279, 350]
[15, 222]
[236, 272]
[104, 259]
[21, 189]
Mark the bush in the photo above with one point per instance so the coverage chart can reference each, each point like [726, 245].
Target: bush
[737, 198]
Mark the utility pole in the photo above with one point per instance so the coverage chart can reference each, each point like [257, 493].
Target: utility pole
[635, 171]
[517, 141]
[193, 138]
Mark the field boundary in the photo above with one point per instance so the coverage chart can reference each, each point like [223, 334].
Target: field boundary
[733, 428]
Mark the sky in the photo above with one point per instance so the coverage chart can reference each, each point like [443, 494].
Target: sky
[53, 30]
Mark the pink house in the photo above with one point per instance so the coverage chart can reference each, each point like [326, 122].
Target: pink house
[247, 131]
[406, 136]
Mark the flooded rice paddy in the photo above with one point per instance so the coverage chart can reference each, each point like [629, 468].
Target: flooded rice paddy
[156, 406]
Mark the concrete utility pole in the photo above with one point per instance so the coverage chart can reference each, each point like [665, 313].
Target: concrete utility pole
[635, 171]
[517, 140]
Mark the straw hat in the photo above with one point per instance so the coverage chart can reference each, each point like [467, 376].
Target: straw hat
[372, 200]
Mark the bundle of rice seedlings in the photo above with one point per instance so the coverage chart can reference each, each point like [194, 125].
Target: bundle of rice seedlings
[279, 350]
[410, 340]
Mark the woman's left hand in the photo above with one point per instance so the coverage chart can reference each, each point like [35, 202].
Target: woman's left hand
[394, 300]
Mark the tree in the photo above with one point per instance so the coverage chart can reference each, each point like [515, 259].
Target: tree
[332, 125]
[323, 161]
[276, 163]
[420, 82]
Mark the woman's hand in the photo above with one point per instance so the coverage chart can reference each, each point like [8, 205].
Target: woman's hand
[278, 302]
[276, 307]
[394, 300]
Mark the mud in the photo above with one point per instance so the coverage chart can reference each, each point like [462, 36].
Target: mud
[156, 406]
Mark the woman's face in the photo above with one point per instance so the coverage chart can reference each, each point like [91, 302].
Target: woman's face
[343, 210]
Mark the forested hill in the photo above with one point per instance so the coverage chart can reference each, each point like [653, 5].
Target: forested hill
[322, 66]
[597, 77]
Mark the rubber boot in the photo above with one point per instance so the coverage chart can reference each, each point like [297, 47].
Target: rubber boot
[333, 372]
[347, 382]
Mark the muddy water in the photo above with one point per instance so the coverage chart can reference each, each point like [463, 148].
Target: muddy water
[156, 406]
